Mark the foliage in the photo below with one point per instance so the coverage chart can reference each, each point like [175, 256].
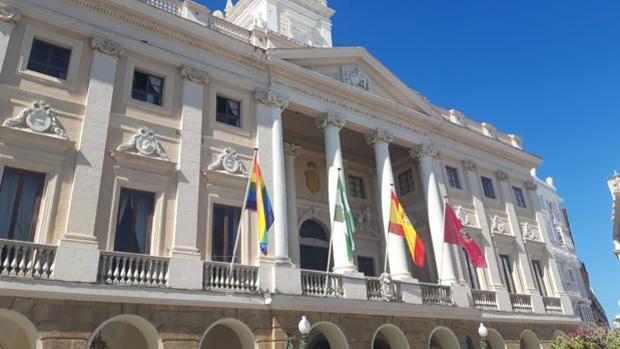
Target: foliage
[588, 338]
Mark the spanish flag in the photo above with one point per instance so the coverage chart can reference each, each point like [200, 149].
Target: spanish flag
[258, 201]
[401, 226]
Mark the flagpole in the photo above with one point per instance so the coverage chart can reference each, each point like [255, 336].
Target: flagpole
[331, 240]
[387, 236]
[443, 246]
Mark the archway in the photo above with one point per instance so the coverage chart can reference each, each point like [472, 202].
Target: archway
[496, 341]
[229, 334]
[125, 331]
[443, 338]
[389, 337]
[529, 340]
[314, 245]
[17, 331]
[558, 333]
[326, 335]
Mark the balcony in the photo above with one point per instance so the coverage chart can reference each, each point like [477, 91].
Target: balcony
[553, 305]
[320, 284]
[521, 303]
[222, 277]
[484, 300]
[26, 259]
[380, 290]
[127, 269]
[436, 294]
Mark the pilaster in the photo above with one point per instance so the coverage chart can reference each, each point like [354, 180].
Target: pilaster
[9, 17]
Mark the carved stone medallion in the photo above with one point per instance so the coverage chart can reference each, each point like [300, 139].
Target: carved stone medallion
[313, 179]
[357, 78]
[498, 225]
[38, 118]
[145, 143]
[230, 162]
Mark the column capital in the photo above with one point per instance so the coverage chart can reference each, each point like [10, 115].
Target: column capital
[9, 14]
[291, 150]
[531, 185]
[425, 149]
[107, 46]
[501, 176]
[469, 165]
[379, 136]
[194, 74]
[271, 98]
[330, 119]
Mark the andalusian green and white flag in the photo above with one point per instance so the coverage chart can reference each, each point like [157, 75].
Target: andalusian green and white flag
[343, 219]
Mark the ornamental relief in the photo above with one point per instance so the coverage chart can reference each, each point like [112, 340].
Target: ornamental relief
[356, 77]
[499, 225]
[38, 118]
[530, 231]
[144, 143]
[312, 178]
[229, 162]
[366, 222]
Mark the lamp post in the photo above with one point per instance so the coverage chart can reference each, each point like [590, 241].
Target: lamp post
[483, 332]
[299, 341]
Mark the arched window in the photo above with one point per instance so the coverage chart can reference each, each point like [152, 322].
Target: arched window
[314, 247]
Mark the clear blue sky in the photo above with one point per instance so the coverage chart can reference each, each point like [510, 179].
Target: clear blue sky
[546, 70]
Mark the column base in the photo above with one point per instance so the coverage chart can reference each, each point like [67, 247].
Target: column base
[538, 306]
[503, 300]
[77, 259]
[279, 276]
[411, 291]
[185, 273]
[461, 295]
[567, 305]
[355, 286]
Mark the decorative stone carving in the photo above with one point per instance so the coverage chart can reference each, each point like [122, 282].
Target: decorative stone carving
[145, 143]
[194, 75]
[379, 136]
[291, 150]
[229, 162]
[614, 183]
[501, 176]
[366, 221]
[9, 14]
[38, 118]
[498, 225]
[469, 165]
[357, 78]
[531, 185]
[271, 98]
[387, 287]
[456, 117]
[329, 119]
[425, 149]
[516, 141]
[462, 215]
[313, 179]
[107, 46]
[489, 130]
[529, 232]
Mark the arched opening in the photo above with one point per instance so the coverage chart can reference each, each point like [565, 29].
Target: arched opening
[529, 340]
[325, 335]
[314, 245]
[390, 337]
[443, 338]
[558, 333]
[229, 334]
[16, 331]
[125, 331]
[496, 341]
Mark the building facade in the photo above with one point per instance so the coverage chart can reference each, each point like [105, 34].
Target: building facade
[127, 138]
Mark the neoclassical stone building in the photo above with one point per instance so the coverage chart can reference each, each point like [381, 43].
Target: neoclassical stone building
[128, 130]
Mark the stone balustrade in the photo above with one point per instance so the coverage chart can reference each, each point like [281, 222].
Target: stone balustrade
[126, 269]
[485, 300]
[170, 6]
[521, 303]
[320, 284]
[26, 259]
[224, 277]
[553, 305]
[436, 294]
[382, 291]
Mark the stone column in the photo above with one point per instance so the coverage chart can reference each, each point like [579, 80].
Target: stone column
[331, 124]
[432, 182]
[291, 151]
[8, 18]
[78, 254]
[185, 265]
[396, 245]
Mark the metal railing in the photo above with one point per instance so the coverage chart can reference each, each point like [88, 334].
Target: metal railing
[26, 259]
[553, 305]
[127, 269]
[320, 284]
[220, 276]
[486, 300]
[521, 303]
[433, 294]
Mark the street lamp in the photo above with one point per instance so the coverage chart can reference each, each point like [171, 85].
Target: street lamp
[299, 341]
[483, 332]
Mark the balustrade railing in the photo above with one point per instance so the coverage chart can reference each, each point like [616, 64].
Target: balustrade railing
[126, 269]
[433, 294]
[320, 284]
[486, 300]
[553, 305]
[521, 303]
[220, 276]
[26, 259]
[170, 6]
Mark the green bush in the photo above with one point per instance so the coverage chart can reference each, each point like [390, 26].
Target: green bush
[588, 338]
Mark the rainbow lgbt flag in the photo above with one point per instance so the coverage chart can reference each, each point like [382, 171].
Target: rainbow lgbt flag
[258, 201]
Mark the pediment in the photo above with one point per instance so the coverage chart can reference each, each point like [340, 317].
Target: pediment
[356, 68]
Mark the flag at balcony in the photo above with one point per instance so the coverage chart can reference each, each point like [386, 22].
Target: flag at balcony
[343, 219]
[258, 201]
[401, 226]
[455, 234]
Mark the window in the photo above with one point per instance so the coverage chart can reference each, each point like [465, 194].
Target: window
[539, 277]
[453, 177]
[147, 88]
[507, 273]
[49, 59]
[134, 222]
[487, 187]
[474, 282]
[314, 246]
[366, 265]
[20, 198]
[406, 183]
[571, 275]
[224, 232]
[228, 111]
[519, 198]
[356, 187]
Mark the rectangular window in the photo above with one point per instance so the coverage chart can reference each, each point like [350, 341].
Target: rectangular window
[474, 282]
[406, 183]
[487, 187]
[539, 277]
[519, 197]
[356, 187]
[147, 88]
[366, 265]
[228, 111]
[20, 199]
[453, 177]
[49, 59]
[134, 221]
[224, 232]
[507, 273]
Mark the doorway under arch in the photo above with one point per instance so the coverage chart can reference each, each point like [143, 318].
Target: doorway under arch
[314, 245]
[496, 341]
[443, 338]
[17, 331]
[125, 331]
[229, 334]
[326, 335]
[390, 337]
[529, 340]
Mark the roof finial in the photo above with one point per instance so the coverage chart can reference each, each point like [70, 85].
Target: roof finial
[229, 7]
